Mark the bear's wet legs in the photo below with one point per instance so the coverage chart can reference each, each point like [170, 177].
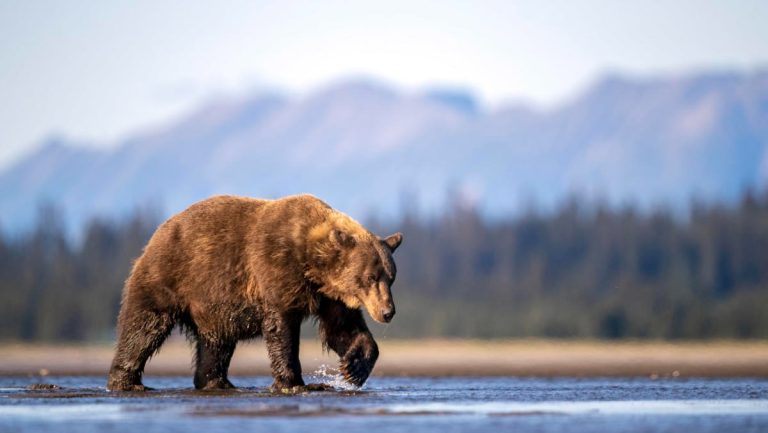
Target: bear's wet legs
[140, 334]
[281, 334]
[212, 359]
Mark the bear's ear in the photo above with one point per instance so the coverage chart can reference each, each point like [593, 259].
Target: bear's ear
[341, 239]
[393, 241]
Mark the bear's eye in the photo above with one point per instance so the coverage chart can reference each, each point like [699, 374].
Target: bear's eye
[371, 279]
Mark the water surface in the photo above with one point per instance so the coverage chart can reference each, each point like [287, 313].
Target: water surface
[445, 404]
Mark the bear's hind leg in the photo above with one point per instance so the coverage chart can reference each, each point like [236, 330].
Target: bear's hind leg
[212, 359]
[140, 334]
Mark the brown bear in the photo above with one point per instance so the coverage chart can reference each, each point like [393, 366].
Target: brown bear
[233, 268]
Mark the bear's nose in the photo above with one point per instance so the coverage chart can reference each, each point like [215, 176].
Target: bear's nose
[388, 313]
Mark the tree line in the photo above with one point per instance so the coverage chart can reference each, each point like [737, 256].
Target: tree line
[580, 271]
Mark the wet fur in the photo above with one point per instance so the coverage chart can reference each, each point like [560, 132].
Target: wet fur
[232, 268]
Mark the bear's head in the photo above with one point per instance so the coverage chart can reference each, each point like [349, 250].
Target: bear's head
[357, 268]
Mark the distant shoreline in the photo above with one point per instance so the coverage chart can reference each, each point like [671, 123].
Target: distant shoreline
[525, 358]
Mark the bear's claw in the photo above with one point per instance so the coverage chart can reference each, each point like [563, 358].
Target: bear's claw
[356, 371]
[358, 363]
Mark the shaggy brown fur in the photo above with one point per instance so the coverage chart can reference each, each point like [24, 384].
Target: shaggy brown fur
[233, 268]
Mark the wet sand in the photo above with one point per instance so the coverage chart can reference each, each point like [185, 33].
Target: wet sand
[543, 358]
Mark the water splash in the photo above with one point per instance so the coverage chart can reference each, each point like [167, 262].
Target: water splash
[332, 377]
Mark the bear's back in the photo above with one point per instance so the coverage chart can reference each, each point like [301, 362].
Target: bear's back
[222, 232]
[228, 214]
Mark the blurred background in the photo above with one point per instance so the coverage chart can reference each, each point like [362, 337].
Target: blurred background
[589, 169]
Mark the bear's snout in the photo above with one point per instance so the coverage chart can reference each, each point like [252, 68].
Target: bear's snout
[379, 304]
[388, 313]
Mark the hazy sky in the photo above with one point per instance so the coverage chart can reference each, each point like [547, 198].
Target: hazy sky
[94, 71]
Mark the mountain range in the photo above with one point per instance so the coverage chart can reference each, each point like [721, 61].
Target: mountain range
[372, 149]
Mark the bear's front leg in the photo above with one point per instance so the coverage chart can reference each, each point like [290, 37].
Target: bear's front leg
[359, 359]
[344, 331]
[281, 334]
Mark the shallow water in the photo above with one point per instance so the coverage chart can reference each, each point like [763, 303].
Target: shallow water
[444, 404]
